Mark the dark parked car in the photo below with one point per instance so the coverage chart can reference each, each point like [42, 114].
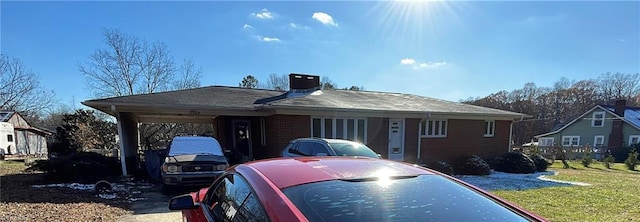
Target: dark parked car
[326, 147]
[193, 160]
[342, 189]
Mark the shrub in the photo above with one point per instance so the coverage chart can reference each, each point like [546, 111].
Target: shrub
[586, 159]
[608, 161]
[440, 166]
[514, 163]
[632, 160]
[80, 167]
[540, 162]
[471, 165]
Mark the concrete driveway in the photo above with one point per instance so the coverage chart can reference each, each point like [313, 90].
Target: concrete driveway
[153, 208]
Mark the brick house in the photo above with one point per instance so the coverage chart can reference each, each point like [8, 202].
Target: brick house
[259, 123]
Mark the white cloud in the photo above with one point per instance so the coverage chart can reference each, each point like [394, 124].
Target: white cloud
[247, 26]
[424, 65]
[263, 14]
[268, 39]
[407, 61]
[621, 40]
[430, 65]
[324, 18]
[298, 26]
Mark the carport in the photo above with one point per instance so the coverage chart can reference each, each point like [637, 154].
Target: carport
[228, 109]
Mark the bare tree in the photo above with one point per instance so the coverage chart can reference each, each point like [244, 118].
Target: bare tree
[277, 82]
[190, 77]
[613, 86]
[130, 65]
[20, 89]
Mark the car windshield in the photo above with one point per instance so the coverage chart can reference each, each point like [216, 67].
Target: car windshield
[195, 146]
[352, 149]
[421, 198]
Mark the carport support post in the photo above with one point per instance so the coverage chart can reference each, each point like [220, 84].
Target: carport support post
[128, 134]
[123, 162]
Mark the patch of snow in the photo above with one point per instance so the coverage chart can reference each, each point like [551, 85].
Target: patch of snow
[75, 186]
[545, 178]
[120, 188]
[510, 181]
[136, 199]
[108, 196]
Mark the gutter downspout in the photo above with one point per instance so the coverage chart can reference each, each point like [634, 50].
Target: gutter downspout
[123, 162]
[420, 136]
[511, 134]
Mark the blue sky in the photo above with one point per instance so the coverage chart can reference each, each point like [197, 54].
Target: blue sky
[447, 50]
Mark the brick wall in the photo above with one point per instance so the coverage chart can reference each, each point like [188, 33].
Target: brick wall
[281, 129]
[466, 137]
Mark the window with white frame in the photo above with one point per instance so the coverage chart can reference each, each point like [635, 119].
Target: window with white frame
[354, 129]
[434, 128]
[545, 141]
[597, 119]
[598, 141]
[570, 140]
[490, 128]
[634, 139]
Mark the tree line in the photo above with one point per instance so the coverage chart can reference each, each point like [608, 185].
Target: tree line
[551, 107]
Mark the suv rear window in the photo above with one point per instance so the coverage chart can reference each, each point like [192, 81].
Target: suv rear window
[352, 149]
[420, 198]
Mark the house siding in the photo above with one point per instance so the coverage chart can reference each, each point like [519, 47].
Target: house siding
[628, 130]
[27, 140]
[466, 137]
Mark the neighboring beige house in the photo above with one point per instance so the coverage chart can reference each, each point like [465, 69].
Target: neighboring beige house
[28, 140]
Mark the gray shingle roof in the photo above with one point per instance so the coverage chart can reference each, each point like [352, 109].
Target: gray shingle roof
[212, 96]
[235, 98]
[382, 101]
[631, 114]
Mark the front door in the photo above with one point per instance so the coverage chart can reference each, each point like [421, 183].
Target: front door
[242, 139]
[396, 139]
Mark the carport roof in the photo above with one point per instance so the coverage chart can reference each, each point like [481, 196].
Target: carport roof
[223, 100]
[211, 96]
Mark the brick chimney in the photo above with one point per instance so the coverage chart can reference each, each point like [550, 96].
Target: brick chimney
[616, 139]
[302, 82]
[620, 107]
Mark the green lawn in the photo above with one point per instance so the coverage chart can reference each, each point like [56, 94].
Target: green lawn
[614, 195]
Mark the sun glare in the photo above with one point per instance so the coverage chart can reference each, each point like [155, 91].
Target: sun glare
[413, 21]
[384, 177]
